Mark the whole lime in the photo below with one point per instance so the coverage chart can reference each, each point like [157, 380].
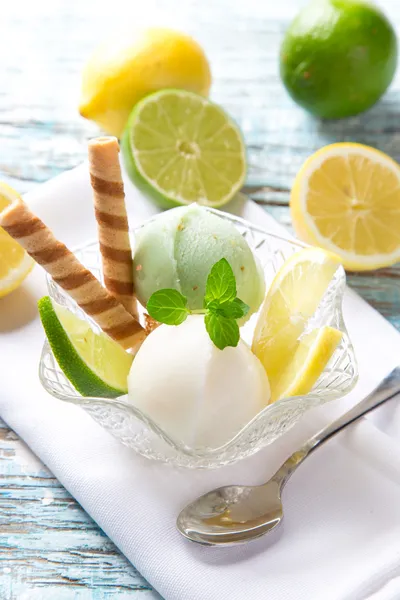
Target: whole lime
[338, 57]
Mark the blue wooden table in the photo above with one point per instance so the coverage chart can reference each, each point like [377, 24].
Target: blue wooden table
[49, 547]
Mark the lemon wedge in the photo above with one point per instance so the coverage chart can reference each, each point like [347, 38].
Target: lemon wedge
[15, 264]
[292, 359]
[313, 353]
[346, 199]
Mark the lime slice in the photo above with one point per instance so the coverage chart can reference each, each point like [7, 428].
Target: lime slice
[93, 363]
[181, 148]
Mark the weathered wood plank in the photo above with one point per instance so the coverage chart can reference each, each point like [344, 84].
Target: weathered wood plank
[48, 543]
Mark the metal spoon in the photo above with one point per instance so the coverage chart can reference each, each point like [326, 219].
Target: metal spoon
[235, 514]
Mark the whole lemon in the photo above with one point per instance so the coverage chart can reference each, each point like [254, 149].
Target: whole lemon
[123, 70]
[338, 57]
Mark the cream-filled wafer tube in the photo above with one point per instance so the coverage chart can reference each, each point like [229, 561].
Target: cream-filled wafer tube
[112, 220]
[66, 270]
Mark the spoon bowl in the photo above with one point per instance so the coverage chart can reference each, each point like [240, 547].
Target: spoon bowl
[228, 515]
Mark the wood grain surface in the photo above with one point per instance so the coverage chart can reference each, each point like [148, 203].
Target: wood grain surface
[49, 547]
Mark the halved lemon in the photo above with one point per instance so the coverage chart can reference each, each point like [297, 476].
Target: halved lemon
[15, 263]
[280, 341]
[346, 199]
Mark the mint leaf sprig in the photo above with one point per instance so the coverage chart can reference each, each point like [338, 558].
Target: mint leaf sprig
[221, 306]
[168, 306]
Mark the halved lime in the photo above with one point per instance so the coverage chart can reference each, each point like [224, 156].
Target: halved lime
[93, 363]
[180, 148]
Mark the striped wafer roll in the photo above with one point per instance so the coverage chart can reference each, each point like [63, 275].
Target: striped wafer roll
[71, 275]
[150, 324]
[112, 220]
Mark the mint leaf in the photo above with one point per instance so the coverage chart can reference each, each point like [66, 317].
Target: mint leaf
[236, 309]
[168, 306]
[213, 306]
[222, 330]
[241, 307]
[222, 306]
[221, 283]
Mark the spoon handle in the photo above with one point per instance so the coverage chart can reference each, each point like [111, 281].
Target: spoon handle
[386, 390]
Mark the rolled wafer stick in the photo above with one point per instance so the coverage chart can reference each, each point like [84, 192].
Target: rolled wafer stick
[150, 324]
[66, 270]
[112, 220]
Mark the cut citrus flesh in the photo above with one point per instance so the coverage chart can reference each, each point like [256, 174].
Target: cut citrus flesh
[293, 298]
[346, 198]
[312, 355]
[15, 263]
[93, 363]
[183, 148]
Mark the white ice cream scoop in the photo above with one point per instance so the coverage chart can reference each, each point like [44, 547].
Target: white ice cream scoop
[199, 395]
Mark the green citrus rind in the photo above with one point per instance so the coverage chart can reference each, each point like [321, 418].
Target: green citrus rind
[84, 380]
[338, 57]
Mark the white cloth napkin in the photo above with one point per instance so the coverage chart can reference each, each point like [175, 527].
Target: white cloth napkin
[341, 536]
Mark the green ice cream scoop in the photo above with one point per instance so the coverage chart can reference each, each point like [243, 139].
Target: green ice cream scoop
[178, 249]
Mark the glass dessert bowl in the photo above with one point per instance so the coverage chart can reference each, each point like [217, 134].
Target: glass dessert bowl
[136, 430]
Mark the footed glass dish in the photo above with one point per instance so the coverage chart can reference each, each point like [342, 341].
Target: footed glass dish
[134, 429]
